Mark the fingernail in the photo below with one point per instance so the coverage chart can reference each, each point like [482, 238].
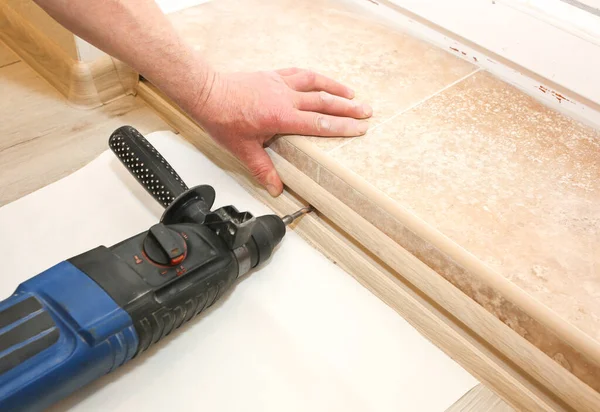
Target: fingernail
[272, 190]
[363, 127]
[324, 123]
[350, 93]
[367, 110]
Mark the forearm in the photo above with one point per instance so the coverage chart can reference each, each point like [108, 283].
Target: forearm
[139, 34]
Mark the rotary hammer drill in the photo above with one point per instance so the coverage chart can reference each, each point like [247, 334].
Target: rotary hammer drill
[90, 314]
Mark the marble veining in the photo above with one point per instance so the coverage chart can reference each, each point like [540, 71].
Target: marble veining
[388, 69]
[7, 56]
[515, 183]
[469, 283]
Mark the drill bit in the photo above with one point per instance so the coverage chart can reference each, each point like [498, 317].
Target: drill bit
[290, 218]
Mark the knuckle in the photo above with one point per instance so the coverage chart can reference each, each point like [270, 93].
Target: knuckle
[310, 76]
[269, 120]
[321, 124]
[259, 171]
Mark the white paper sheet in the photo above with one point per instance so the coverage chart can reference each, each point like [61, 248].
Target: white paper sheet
[298, 335]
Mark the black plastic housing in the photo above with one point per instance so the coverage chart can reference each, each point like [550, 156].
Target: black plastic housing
[160, 299]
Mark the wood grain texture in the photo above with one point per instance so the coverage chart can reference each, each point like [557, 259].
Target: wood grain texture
[479, 399]
[44, 138]
[7, 56]
[54, 31]
[86, 85]
[481, 343]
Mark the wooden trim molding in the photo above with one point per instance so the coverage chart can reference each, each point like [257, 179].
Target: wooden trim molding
[84, 84]
[506, 362]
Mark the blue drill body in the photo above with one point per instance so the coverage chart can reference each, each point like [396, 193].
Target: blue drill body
[81, 334]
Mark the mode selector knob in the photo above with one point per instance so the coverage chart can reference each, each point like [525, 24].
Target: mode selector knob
[164, 246]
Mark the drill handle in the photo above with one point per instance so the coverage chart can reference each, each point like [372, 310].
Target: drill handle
[147, 165]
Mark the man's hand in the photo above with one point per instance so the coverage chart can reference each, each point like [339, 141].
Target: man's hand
[242, 111]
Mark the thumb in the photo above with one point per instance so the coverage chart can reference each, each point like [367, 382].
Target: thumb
[261, 166]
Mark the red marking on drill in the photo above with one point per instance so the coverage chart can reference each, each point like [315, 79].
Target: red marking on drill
[137, 259]
[177, 260]
[185, 249]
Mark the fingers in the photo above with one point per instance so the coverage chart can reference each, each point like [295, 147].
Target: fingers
[288, 71]
[323, 102]
[308, 81]
[260, 165]
[318, 124]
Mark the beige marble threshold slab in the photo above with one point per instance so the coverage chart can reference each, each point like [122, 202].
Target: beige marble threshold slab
[319, 163]
[496, 354]
[567, 345]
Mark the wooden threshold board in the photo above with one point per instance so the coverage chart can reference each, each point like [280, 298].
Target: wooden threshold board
[383, 272]
[480, 399]
[44, 138]
[84, 84]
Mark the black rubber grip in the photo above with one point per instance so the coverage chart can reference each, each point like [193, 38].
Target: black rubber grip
[162, 322]
[147, 165]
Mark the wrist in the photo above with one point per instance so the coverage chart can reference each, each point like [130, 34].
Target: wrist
[183, 76]
[193, 89]
[210, 107]
[208, 83]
